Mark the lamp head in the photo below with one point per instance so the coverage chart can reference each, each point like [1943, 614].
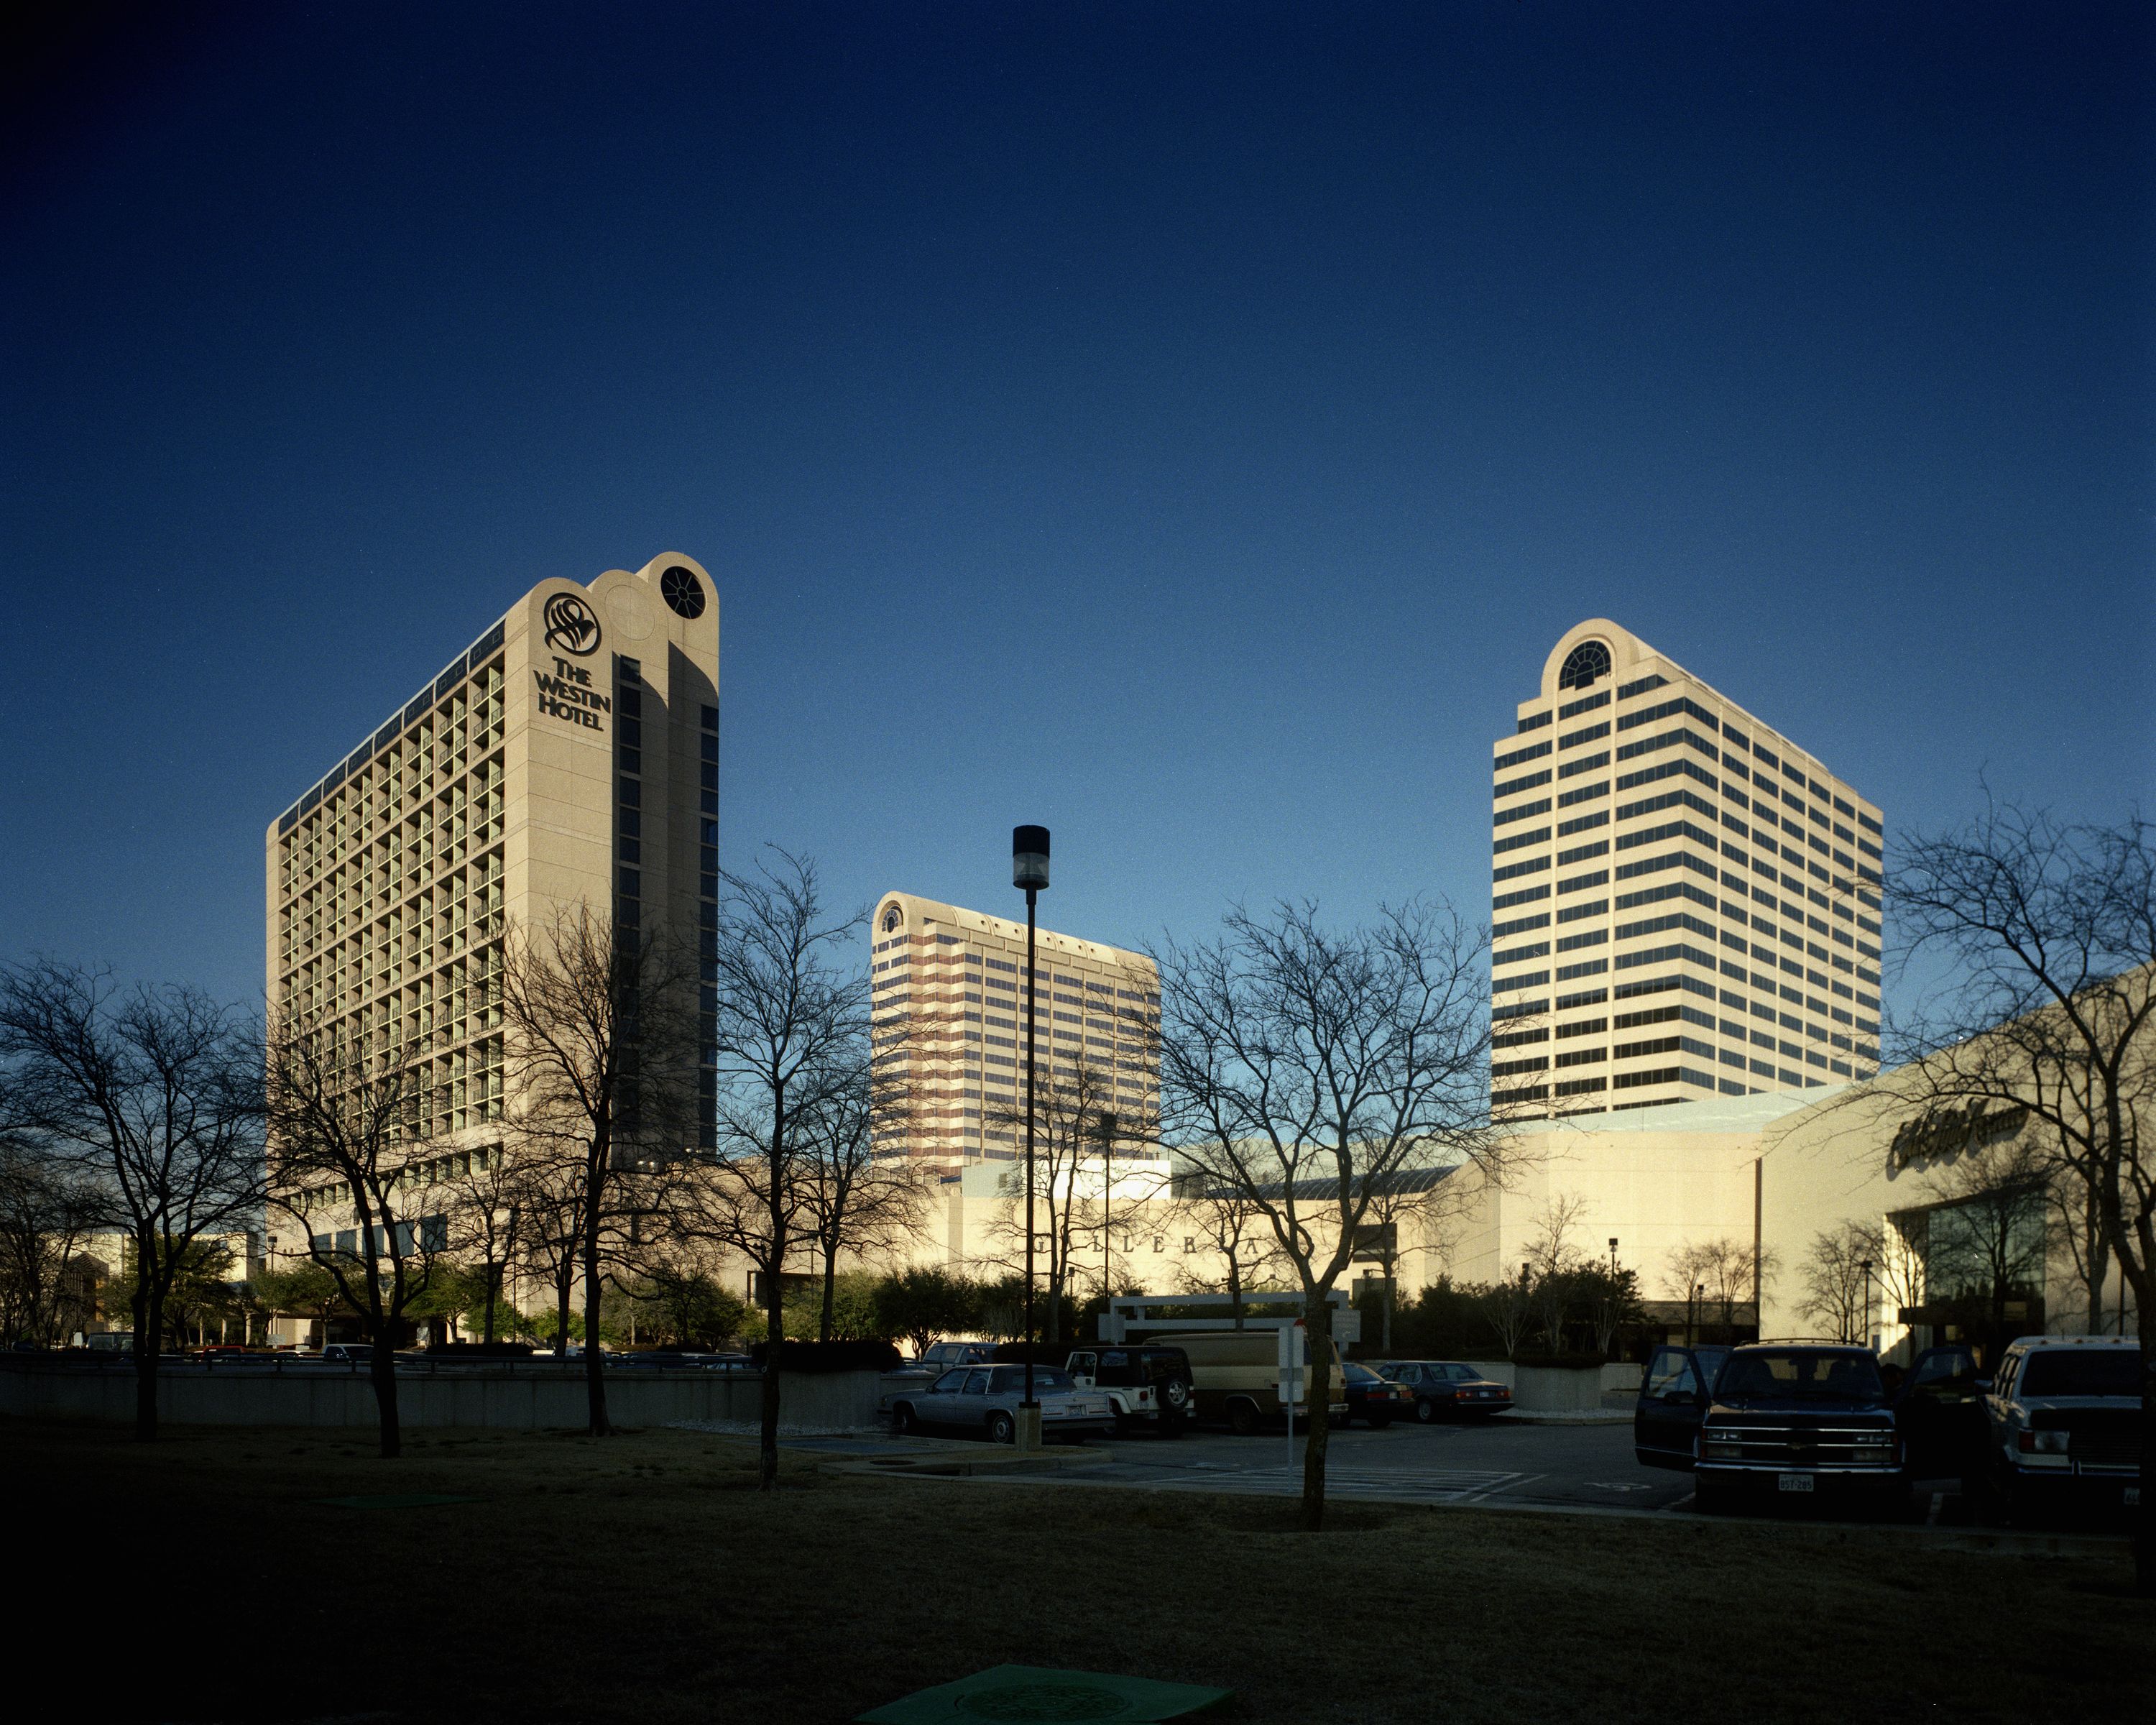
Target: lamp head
[1029, 858]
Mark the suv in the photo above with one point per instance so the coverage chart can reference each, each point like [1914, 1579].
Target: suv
[1148, 1386]
[2062, 1424]
[1797, 1418]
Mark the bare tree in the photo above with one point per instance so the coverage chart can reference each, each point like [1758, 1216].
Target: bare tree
[850, 1200]
[47, 1209]
[1556, 1263]
[2047, 930]
[1508, 1308]
[790, 1025]
[154, 1095]
[1837, 1274]
[1731, 1272]
[550, 1191]
[601, 1043]
[1071, 1097]
[337, 1108]
[1299, 1065]
[1223, 1221]
[1612, 1297]
[487, 1199]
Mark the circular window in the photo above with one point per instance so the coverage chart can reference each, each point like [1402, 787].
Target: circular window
[891, 919]
[683, 590]
[1586, 662]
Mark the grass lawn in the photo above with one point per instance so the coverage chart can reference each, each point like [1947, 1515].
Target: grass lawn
[645, 1579]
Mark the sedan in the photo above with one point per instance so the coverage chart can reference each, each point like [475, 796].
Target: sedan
[1377, 1399]
[1443, 1387]
[984, 1400]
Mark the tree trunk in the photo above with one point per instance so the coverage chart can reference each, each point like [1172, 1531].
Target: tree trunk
[774, 1305]
[1385, 1332]
[1317, 1322]
[594, 1359]
[2144, 1519]
[149, 1322]
[382, 1368]
[830, 1287]
[564, 1283]
[774, 1334]
[1235, 1289]
[493, 1288]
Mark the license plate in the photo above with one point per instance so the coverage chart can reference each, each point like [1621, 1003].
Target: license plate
[1792, 1482]
[2132, 1497]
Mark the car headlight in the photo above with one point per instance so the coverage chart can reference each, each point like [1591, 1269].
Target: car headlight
[1721, 1449]
[2042, 1443]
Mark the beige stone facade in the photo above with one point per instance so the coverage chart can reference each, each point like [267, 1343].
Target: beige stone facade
[570, 753]
[949, 998]
[1685, 905]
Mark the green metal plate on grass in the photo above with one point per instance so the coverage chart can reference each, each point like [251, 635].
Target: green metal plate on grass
[1016, 1692]
[394, 1500]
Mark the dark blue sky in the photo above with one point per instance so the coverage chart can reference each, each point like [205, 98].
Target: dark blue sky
[1188, 426]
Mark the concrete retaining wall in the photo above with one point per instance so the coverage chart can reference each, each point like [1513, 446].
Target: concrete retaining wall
[524, 1401]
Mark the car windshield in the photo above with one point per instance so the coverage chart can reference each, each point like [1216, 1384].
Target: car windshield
[1801, 1375]
[2059, 1371]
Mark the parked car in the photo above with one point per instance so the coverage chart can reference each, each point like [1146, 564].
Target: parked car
[1938, 1409]
[1374, 1398]
[1447, 1388]
[941, 1356]
[984, 1400]
[1790, 1419]
[346, 1353]
[1234, 1376]
[2062, 1426]
[1149, 1386]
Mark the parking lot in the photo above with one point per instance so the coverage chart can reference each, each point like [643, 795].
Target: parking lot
[1498, 1465]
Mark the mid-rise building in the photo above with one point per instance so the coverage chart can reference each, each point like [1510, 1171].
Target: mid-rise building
[1685, 904]
[949, 997]
[570, 753]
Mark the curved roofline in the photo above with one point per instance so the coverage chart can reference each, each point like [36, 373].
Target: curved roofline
[921, 913]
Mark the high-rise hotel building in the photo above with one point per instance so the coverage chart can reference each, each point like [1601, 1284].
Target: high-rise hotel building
[1684, 902]
[948, 1004]
[570, 753]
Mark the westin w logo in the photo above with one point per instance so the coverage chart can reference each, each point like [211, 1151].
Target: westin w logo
[571, 626]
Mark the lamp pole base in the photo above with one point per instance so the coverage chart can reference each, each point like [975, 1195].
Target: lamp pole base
[1028, 1437]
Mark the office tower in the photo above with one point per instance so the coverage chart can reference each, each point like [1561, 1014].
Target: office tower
[949, 995]
[1684, 902]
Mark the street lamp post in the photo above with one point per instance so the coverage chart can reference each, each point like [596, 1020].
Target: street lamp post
[1612, 1257]
[1864, 1265]
[1030, 871]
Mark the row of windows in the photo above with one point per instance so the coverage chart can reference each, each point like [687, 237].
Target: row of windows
[1735, 741]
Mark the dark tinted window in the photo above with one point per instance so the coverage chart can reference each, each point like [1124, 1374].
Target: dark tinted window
[2115, 1371]
[1671, 1373]
[1802, 1375]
